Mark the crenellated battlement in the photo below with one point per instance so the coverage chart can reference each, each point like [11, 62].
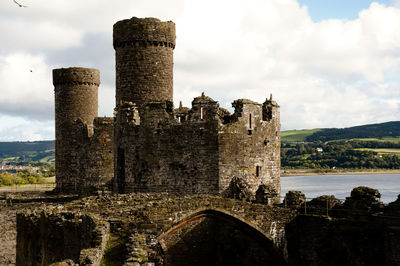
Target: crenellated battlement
[144, 32]
[76, 76]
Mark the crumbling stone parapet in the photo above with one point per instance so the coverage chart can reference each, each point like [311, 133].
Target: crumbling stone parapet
[239, 189]
[266, 194]
[294, 199]
[363, 199]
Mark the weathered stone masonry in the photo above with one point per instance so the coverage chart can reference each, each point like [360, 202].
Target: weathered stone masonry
[185, 151]
[144, 60]
[158, 148]
[83, 141]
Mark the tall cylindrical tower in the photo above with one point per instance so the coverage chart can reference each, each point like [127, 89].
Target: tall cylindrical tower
[144, 60]
[76, 97]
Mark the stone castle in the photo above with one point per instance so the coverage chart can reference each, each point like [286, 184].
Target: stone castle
[203, 153]
[150, 146]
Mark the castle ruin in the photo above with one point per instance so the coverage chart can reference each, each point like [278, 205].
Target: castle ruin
[150, 146]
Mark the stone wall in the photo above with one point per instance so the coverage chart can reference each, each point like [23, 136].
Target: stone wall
[144, 225]
[249, 147]
[162, 154]
[317, 240]
[96, 160]
[76, 97]
[199, 151]
[144, 60]
[84, 142]
[45, 238]
[162, 229]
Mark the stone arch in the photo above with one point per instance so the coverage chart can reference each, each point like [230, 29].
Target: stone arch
[213, 237]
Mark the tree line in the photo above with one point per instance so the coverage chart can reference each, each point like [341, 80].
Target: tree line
[339, 154]
[389, 129]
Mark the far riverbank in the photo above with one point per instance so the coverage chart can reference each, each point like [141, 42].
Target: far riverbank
[306, 172]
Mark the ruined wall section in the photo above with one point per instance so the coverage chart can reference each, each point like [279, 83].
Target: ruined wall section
[96, 156]
[49, 237]
[165, 155]
[144, 60]
[84, 150]
[76, 97]
[199, 153]
[249, 146]
[127, 121]
[271, 116]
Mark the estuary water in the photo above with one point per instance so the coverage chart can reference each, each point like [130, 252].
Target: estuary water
[341, 185]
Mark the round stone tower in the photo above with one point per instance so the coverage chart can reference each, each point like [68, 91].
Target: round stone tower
[76, 97]
[144, 60]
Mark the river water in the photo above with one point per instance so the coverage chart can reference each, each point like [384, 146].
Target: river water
[341, 185]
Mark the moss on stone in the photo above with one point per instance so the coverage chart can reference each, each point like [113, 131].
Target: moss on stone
[114, 252]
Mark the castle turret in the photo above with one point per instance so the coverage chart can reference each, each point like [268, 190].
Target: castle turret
[144, 60]
[76, 102]
[144, 76]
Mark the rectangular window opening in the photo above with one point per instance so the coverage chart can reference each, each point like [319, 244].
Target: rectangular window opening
[250, 121]
[201, 113]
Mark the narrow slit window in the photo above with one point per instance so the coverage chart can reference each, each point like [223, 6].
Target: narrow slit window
[250, 121]
[258, 168]
[201, 113]
[179, 119]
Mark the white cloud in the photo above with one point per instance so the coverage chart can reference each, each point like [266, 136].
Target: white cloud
[396, 3]
[326, 74]
[26, 87]
[19, 35]
[18, 129]
[329, 74]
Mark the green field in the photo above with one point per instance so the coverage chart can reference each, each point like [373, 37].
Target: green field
[381, 151]
[300, 136]
[384, 139]
[296, 135]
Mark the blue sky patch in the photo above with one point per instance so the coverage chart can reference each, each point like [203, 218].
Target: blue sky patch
[337, 9]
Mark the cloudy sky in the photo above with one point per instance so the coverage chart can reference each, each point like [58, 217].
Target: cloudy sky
[333, 63]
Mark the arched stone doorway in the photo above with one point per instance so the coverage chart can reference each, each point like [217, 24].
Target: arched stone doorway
[212, 237]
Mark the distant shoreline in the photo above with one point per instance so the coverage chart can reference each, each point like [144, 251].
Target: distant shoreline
[302, 172]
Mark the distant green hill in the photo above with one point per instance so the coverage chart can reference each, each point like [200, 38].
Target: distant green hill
[378, 131]
[28, 151]
[297, 135]
[386, 131]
